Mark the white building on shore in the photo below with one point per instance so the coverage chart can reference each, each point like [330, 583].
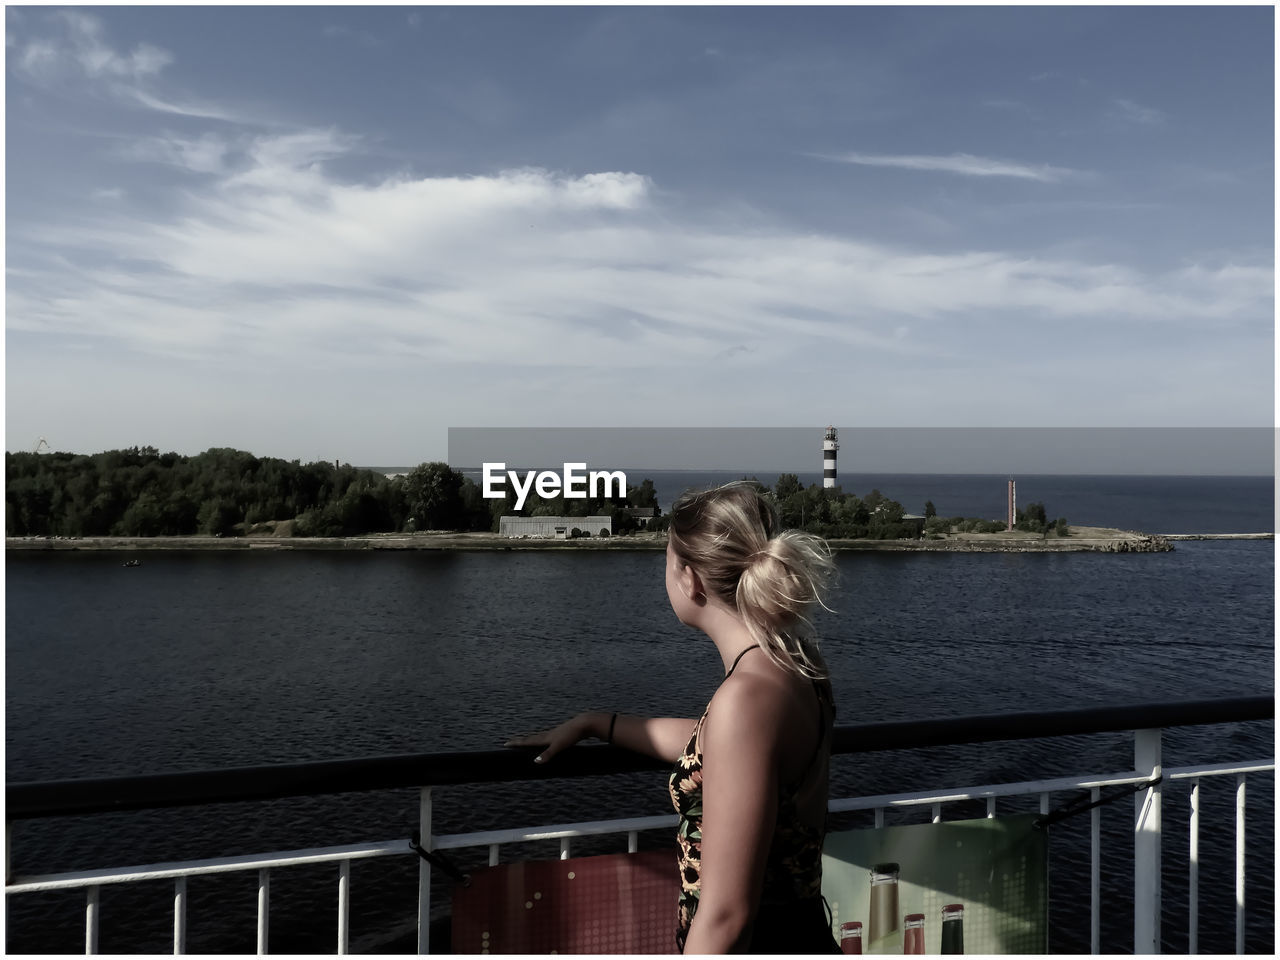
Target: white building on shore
[554, 528]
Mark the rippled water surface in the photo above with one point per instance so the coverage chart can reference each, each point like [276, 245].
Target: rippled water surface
[200, 660]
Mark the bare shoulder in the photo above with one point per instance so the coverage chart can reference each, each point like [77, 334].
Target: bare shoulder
[749, 705]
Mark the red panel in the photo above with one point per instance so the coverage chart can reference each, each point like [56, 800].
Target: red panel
[620, 903]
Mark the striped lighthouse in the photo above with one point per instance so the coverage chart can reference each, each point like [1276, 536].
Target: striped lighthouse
[829, 447]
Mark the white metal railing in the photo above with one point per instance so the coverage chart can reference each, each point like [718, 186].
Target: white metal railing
[1147, 831]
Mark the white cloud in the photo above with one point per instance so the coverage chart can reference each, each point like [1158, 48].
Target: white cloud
[960, 163]
[79, 57]
[205, 154]
[1136, 113]
[97, 59]
[276, 257]
[189, 109]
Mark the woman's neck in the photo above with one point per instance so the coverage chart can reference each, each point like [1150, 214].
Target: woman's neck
[727, 631]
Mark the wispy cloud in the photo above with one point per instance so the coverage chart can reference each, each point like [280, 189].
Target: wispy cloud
[203, 111]
[1057, 76]
[275, 255]
[964, 164]
[335, 31]
[1136, 113]
[205, 154]
[81, 49]
[77, 54]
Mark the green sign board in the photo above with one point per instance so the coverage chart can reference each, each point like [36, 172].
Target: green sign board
[968, 886]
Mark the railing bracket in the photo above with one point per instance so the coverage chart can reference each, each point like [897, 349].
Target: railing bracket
[1071, 809]
[433, 858]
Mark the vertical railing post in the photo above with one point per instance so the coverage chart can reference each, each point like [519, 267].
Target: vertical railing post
[180, 916]
[1146, 845]
[91, 920]
[1095, 873]
[344, 906]
[1193, 881]
[424, 872]
[1240, 863]
[264, 909]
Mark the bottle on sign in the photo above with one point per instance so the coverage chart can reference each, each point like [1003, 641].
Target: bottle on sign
[953, 928]
[913, 933]
[851, 936]
[884, 935]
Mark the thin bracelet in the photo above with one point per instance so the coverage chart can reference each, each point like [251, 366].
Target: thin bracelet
[612, 721]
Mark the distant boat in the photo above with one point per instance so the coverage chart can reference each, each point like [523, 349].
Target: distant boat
[132, 563]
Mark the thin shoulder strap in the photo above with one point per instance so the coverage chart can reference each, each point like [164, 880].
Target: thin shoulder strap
[737, 659]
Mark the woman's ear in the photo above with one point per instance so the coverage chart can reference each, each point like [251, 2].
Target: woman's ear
[691, 584]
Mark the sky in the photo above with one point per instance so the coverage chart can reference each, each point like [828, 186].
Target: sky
[336, 232]
[1129, 451]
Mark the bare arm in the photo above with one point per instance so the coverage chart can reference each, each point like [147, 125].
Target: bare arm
[660, 737]
[740, 755]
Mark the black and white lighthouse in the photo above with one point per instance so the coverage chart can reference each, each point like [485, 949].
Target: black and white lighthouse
[829, 447]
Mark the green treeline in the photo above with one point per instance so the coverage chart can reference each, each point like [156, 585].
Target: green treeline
[140, 492]
[833, 513]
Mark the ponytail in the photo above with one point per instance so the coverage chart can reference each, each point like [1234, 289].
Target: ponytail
[772, 577]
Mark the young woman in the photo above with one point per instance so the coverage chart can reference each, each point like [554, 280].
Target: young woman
[750, 775]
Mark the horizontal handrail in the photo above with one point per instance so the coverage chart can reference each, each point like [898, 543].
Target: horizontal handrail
[196, 868]
[512, 835]
[271, 782]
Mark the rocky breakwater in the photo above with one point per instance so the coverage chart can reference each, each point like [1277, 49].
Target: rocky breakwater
[1080, 540]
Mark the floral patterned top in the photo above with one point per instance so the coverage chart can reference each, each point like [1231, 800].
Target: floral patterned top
[793, 870]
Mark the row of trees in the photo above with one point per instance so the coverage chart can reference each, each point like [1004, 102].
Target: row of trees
[225, 492]
[830, 512]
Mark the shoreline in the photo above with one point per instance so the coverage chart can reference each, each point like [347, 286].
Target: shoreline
[1082, 540]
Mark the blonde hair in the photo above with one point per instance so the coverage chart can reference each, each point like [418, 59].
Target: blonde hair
[730, 535]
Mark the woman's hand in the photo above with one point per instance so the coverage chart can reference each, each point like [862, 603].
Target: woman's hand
[565, 735]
